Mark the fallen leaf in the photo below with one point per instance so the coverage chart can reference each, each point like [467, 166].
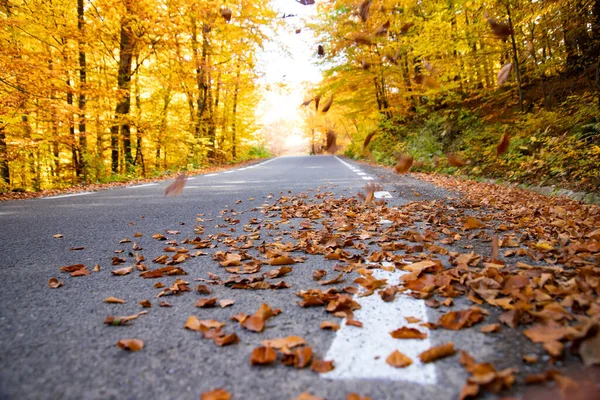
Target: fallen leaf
[589, 350]
[490, 328]
[53, 283]
[80, 272]
[131, 344]
[330, 325]
[455, 320]
[322, 366]
[176, 187]
[331, 281]
[164, 304]
[216, 394]
[72, 268]
[118, 321]
[288, 342]
[263, 356]
[308, 396]
[96, 268]
[77, 248]
[226, 340]
[437, 352]
[145, 303]
[206, 303]
[408, 333]
[318, 274]
[473, 223]
[122, 271]
[398, 360]
[57, 236]
[226, 303]
[114, 300]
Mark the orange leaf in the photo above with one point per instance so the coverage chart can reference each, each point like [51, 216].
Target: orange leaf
[217, 394]
[122, 271]
[503, 73]
[145, 303]
[330, 325]
[114, 300]
[53, 283]
[206, 303]
[490, 328]
[437, 352]
[503, 145]
[408, 333]
[263, 356]
[226, 303]
[287, 342]
[404, 164]
[473, 223]
[226, 340]
[398, 360]
[455, 161]
[176, 187]
[303, 357]
[254, 323]
[131, 344]
[322, 366]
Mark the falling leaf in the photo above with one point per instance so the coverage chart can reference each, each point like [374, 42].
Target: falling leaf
[408, 333]
[368, 139]
[503, 145]
[331, 138]
[327, 104]
[206, 303]
[320, 50]
[455, 161]
[398, 360]
[330, 325]
[53, 283]
[131, 344]
[404, 28]
[383, 29]
[322, 366]
[122, 271]
[363, 10]
[216, 394]
[437, 352]
[226, 13]
[500, 29]
[404, 164]
[114, 300]
[263, 356]
[495, 250]
[176, 187]
[503, 76]
[226, 303]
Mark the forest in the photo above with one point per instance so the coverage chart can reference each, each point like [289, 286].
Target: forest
[109, 90]
[505, 89]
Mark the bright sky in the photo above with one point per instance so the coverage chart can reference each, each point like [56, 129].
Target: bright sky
[287, 63]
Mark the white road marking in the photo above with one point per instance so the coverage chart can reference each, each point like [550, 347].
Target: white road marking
[230, 171]
[211, 174]
[191, 178]
[354, 349]
[144, 185]
[382, 195]
[367, 178]
[361, 173]
[67, 195]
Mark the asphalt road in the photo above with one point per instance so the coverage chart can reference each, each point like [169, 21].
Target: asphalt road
[54, 344]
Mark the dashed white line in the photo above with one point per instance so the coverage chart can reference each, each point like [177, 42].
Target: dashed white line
[229, 172]
[211, 174]
[361, 173]
[360, 353]
[67, 195]
[139, 186]
[368, 178]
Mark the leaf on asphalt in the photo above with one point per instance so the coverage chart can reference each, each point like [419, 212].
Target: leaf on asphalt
[165, 304]
[405, 162]
[455, 161]
[57, 236]
[589, 350]
[278, 273]
[437, 352]
[473, 223]
[203, 289]
[356, 396]
[145, 303]
[334, 326]
[206, 303]
[490, 328]
[72, 268]
[176, 187]
[118, 321]
[216, 394]
[302, 357]
[226, 303]
[195, 324]
[408, 333]
[322, 366]
[96, 268]
[131, 344]
[319, 274]
[281, 260]
[398, 360]
[308, 396]
[122, 271]
[80, 272]
[77, 248]
[254, 323]
[159, 285]
[503, 73]
[263, 356]
[54, 283]
[455, 320]
[334, 280]
[226, 340]
[288, 342]
[114, 300]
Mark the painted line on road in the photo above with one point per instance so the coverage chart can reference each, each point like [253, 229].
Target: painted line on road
[67, 195]
[361, 173]
[229, 172]
[360, 353]
[356, 170]
[211, 174]
[191, 178]
[382, 195]
[368, 178]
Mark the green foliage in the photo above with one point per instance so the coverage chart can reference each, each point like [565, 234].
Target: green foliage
[258, 151]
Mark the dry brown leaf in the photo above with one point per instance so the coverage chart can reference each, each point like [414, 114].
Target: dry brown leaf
[122, 320]
[500, 29]
[368, 138]
[455, 161]
[330, 325]
[226, 13]
[589, 350]
[165, 304]
[131, 344]
[383, 29]
[281, 260]
[53, 283]
[331, 138]
[308, 396]
[322, 366]
[473, 223]
[206, 303]
[263, 356]
[57, 236]
[96, 268]
[318, 274]
[303, 357]
[490, 328]
[254, 323]
[145, 303]
[455, 320]
[437, 352]
[72, 268]
[327, 104]
[408, 333]
[363, 10]
[122, 271]
[331, 281]
[114, 300]
[176, 187]
[321, 53]
[80, 272]
[398, 360]
[226, 303]
[226, 340]
[405, 162]
[288, 342]
[216, 394]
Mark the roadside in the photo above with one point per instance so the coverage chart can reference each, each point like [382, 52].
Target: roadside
[94, 187]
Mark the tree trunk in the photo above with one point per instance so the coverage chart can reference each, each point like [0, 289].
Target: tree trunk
[4, 171]
[82, 149]
[121, 124]
[234, 111]
[515, 57]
